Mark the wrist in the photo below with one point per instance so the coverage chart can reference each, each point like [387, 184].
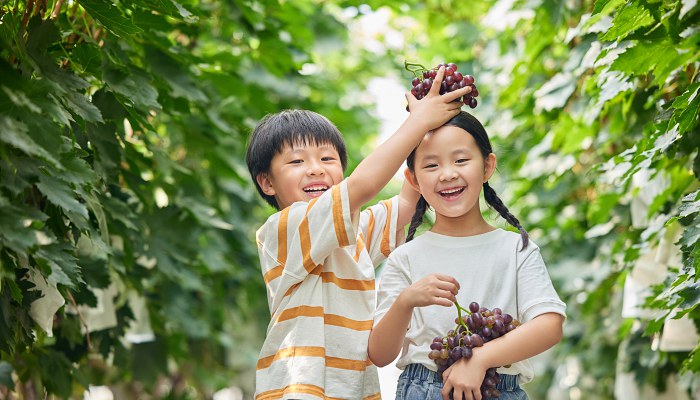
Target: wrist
[404, 302]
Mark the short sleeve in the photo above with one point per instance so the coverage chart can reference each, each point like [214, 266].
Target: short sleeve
[393, 280]
[378, 226]
[535, 292]
[296, 240]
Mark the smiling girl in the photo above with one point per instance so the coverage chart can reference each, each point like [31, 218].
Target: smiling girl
[462, 258]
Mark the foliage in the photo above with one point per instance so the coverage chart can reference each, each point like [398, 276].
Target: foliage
[122, 132]
[593, 108]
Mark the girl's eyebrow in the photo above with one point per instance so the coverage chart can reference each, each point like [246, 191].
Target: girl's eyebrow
[453, 152]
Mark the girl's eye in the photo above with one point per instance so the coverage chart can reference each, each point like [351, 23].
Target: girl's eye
[297, 161]
[462, 160]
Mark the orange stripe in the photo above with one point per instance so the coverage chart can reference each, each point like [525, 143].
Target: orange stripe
[370, 228]
[282, 236]
[301, 311]
[273, 273]
[328, 319]
[348, 284]
[305, 239]
[296, 388]
[304, 389]
[315, 271]
[386, 249]
[309, 351]
[358, 248]
[344, 363]
[337, 320]
[338, 221]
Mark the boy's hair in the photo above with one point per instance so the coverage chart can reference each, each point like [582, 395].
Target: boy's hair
[471, 125]
[288, 128]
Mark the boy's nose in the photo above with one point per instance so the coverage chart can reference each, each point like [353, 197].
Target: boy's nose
[315, 169]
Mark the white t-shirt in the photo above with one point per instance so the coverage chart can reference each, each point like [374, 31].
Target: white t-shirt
[318, 263]
[490, 269]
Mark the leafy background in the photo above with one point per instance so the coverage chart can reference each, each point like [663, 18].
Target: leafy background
[122, 133]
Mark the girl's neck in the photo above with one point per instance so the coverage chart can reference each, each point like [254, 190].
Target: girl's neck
[470, 224]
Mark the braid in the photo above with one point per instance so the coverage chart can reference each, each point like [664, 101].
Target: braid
[494, 201]
[417, 218]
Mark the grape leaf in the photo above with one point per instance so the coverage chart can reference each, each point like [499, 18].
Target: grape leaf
[111, 17]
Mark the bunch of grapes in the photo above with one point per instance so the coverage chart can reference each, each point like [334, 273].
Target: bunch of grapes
[452, 80]
[477, 327]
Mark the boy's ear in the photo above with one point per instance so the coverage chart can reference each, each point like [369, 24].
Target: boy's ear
[489, 166]
[265, 184]
[411, 179]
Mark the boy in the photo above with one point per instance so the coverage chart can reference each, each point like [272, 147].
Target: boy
[318, 253]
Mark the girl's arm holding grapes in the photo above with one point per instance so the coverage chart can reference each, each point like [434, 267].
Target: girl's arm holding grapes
[531, 338]
[386, 337]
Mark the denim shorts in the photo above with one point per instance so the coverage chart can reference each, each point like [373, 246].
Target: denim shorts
[419, 383]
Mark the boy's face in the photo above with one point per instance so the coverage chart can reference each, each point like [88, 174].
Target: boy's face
[301, 172]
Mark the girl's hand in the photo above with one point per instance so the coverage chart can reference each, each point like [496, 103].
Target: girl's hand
[463, 379]
[435, 109]
[434, 289]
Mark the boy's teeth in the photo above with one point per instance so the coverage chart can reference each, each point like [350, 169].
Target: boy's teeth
[315, 188]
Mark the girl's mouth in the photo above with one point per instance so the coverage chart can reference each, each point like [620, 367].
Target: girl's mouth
[451, 193]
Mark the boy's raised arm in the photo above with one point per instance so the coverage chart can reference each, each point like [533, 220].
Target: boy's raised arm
[375, 171]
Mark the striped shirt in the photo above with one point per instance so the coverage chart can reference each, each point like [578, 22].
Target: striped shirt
[318, 263]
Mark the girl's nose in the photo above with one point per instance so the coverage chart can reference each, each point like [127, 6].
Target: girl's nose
[448, 176]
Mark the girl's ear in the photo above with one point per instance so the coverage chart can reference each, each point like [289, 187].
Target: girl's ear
[489, 166]
[265, 184]
[411, 179]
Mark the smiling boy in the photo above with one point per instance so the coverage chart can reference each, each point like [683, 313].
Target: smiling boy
[318, 253]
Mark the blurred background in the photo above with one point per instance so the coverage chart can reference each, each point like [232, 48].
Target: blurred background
[128, 266]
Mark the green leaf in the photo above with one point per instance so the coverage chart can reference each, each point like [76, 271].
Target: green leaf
[629, 18]
[61, 194]
[60, 260]
[14, 133]
[111, 17]
[135, 86]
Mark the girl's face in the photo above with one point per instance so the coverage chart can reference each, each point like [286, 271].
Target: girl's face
[449, 171]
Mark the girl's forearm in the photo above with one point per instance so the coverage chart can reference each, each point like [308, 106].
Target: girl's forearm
[528, 340]
[386, 338]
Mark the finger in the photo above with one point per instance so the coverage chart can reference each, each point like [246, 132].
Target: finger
[476, 394]
[447, 287]
[448, 278]
[441, 301]
[435, 89]
[452, 96]
[446, 391]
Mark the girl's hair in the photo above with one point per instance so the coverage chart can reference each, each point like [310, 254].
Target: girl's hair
[288, 128]
[471, 125]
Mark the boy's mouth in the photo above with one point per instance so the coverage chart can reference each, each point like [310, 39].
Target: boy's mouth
[315, 190]
[451, 193]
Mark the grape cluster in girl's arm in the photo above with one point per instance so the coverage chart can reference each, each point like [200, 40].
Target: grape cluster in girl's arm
[478, 326]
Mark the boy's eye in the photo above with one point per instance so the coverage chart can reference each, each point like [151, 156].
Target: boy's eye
[328, 159]
[430, 166]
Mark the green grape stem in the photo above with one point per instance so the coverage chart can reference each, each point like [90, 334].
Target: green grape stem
[459, 317]
[417, 69]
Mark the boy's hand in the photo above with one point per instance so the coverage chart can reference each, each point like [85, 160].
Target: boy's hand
[463, 379]
[435, 109]
[434, 289]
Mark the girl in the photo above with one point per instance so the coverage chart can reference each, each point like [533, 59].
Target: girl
[493, 267]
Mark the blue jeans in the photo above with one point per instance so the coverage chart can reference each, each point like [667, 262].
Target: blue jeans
[419, 383]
